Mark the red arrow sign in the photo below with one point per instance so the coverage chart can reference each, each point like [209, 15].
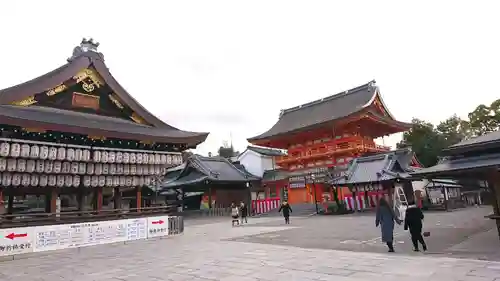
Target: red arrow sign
[13, 235]
[158, 222]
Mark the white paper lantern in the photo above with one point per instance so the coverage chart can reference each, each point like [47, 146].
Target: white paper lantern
[57, 167]
[86, 181]
[141, 181]
[111, 157]
[15, 150]
[112, 169]
[104, 156]
[16, 179]
[4, 149]
[25, 150]
[157, 159]
[48, 167]
[82, 168]
[98, 168]
[145, 158]
[157, 169]
[169, 159]
[126, 157]
[95, 181]
[44, 152]
[40, 166]
[151, 159]
[105, 169]
[147, 180]
[76, 181]
[126, 169]
[75, 166]
[3, 164]
[97, 156]
[128, 181]
[52, 180]
[52, 155]
[68, 180]
[139, 170]
[119, 169]
[116, 180]
[34, 180]
[78, 155]
[60, 181]
[61, 153]
[102, 180]
[86, 155]
[30, 166]
[21, 165]
[25, 180]
[11, 165]
[123, 180]
[138, 158]
[163, 159]
[135, 181]
[132, 158]
[109, 181]
[6, 179]
[151, 169]
[90, 168]
[119, 157]
[70, 154]
[35, 151]
[66, 167]
[44, 180]
[133, 169]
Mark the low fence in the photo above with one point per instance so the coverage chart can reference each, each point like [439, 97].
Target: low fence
[213, 212]
[261, 206]
[362, 202]
[26, 240]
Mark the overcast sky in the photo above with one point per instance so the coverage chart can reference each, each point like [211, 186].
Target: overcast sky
[229, 67]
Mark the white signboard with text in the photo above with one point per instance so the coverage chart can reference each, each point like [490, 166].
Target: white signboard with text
[15, 241]
[137, 229]
[157, 226]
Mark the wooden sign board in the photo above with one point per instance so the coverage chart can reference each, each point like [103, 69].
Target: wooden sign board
[85, 101]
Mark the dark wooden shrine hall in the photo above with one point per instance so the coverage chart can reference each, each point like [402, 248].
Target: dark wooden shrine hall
[75, 134]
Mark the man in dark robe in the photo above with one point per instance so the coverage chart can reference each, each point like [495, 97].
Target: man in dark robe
[413, 222]
[285, 207]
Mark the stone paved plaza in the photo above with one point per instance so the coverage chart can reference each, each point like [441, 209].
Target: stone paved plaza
[218, 252]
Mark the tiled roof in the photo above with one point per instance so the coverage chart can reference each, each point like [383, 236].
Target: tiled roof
[266, 151]
[477, 144]
[377, 168]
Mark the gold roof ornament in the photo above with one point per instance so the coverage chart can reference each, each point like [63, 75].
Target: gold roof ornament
[96, 81]
[27, 101]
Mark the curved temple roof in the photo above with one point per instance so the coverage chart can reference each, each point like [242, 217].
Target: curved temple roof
[326, 110]
[48, 118]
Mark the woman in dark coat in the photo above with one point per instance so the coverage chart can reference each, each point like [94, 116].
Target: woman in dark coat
[413, 221]
[385, 218]
[285, 207]
[243, 212]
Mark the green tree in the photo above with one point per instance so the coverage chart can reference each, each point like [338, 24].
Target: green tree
[227, 151]
[425, 141]
[485, 119]
[453, 130]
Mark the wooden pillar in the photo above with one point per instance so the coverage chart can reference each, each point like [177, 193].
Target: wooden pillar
[138, 197]
[210, 197]
[354, 198]
[81, 198]
[98, 199]
[117, 198]
[494, 186]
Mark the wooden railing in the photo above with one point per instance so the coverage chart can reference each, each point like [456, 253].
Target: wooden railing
[332, 149]
[37, 219]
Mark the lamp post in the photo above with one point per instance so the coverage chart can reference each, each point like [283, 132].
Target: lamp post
[313, 178]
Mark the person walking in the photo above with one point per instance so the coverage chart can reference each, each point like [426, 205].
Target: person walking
[243, 212]
[235, 214]
[413, 222]
[285, 207]
[385, 217]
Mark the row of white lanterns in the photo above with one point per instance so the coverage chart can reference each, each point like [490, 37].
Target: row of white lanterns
[16, 179]
[76, 154]
[47, 166]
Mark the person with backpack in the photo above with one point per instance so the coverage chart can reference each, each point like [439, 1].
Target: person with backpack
[413, 222]
[285, 207]
[235, 214]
